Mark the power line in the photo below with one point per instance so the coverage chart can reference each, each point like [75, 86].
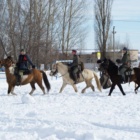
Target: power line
[127, 20]
[119, 20]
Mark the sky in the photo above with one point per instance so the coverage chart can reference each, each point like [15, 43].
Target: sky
[69, 115]
[125, 18]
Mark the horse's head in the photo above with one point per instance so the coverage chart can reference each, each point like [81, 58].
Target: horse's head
[104, 65]
[108, 66]
[54, 70]
[59, 68]
[7, 62]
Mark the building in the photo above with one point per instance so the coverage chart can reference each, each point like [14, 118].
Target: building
[90, 57]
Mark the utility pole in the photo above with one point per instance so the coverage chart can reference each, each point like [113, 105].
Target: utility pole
[113, 32]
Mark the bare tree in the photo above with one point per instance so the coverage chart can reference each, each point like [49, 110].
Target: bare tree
[3, 47]
[70, 20]
[43, 28]
[102, 9]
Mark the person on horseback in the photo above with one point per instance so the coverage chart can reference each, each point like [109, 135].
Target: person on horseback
[22, 64]
[125, 63]
[74, 65]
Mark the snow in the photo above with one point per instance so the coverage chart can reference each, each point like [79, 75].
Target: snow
[69, 115]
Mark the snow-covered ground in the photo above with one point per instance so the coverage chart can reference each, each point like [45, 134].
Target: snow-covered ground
[69, 115]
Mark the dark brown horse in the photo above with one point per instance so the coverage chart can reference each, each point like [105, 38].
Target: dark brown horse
[35, 76]
[112, 70]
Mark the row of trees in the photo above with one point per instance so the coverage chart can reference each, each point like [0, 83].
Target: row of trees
[44, 28]
[41, 27]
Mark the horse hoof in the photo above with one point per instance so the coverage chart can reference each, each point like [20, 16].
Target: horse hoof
[13, 93]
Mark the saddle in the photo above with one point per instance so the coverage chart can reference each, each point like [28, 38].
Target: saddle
[25, 71]
[19, 73]
[71, 74]
[128, 73]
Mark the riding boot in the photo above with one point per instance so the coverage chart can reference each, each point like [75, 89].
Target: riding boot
[123, 78]
[75, 78]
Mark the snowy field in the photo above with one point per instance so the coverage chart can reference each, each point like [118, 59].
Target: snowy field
[69, 115]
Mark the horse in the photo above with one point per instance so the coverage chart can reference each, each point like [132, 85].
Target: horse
[36, 76]
[112, 69]
[86, 75]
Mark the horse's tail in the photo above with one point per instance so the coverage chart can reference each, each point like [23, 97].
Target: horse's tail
[46, 81]
[97, 81]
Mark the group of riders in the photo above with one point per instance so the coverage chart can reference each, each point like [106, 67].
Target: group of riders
[74, 67]
[24, 59]
[124, 65]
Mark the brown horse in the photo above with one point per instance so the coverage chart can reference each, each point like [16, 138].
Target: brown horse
[86, 76]
[35, 76]
[112, 70]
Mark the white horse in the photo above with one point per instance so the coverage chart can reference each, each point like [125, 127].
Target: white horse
[86, 75]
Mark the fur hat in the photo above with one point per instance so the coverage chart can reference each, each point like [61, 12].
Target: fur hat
[124, 49]
[74, 51]
[22, 50]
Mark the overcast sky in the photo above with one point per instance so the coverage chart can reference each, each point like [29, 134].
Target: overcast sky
[126, 19]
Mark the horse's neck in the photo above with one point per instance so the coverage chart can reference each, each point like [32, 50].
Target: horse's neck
[7, 72]
[62, 69]
[113, 69]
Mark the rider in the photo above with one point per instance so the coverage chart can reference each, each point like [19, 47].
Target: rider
[22, 64]
[74, 65]
[125, 62]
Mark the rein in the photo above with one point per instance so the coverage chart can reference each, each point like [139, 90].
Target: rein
[57, 72]
[62, 75]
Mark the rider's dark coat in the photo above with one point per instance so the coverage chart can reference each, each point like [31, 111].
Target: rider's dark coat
[75, 61]
[125, 59]
[23, 62]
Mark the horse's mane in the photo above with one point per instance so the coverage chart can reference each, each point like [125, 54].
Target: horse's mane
[64, 63]
[112, 66]
[10, 57]
[111, 62]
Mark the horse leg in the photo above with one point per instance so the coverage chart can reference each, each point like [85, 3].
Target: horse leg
[11, 89]
[41, 86]
[33, 88]
[63, 86]
[112, 88]
[136, 89]
[121, 89]
[75, 88]
[88, 84]
[83, 91]
[91, 85]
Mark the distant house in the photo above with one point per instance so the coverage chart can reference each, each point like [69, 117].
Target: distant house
[90, 57]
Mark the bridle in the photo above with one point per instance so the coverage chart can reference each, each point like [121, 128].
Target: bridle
[55, 71]
[104, 66]
[7, 62]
